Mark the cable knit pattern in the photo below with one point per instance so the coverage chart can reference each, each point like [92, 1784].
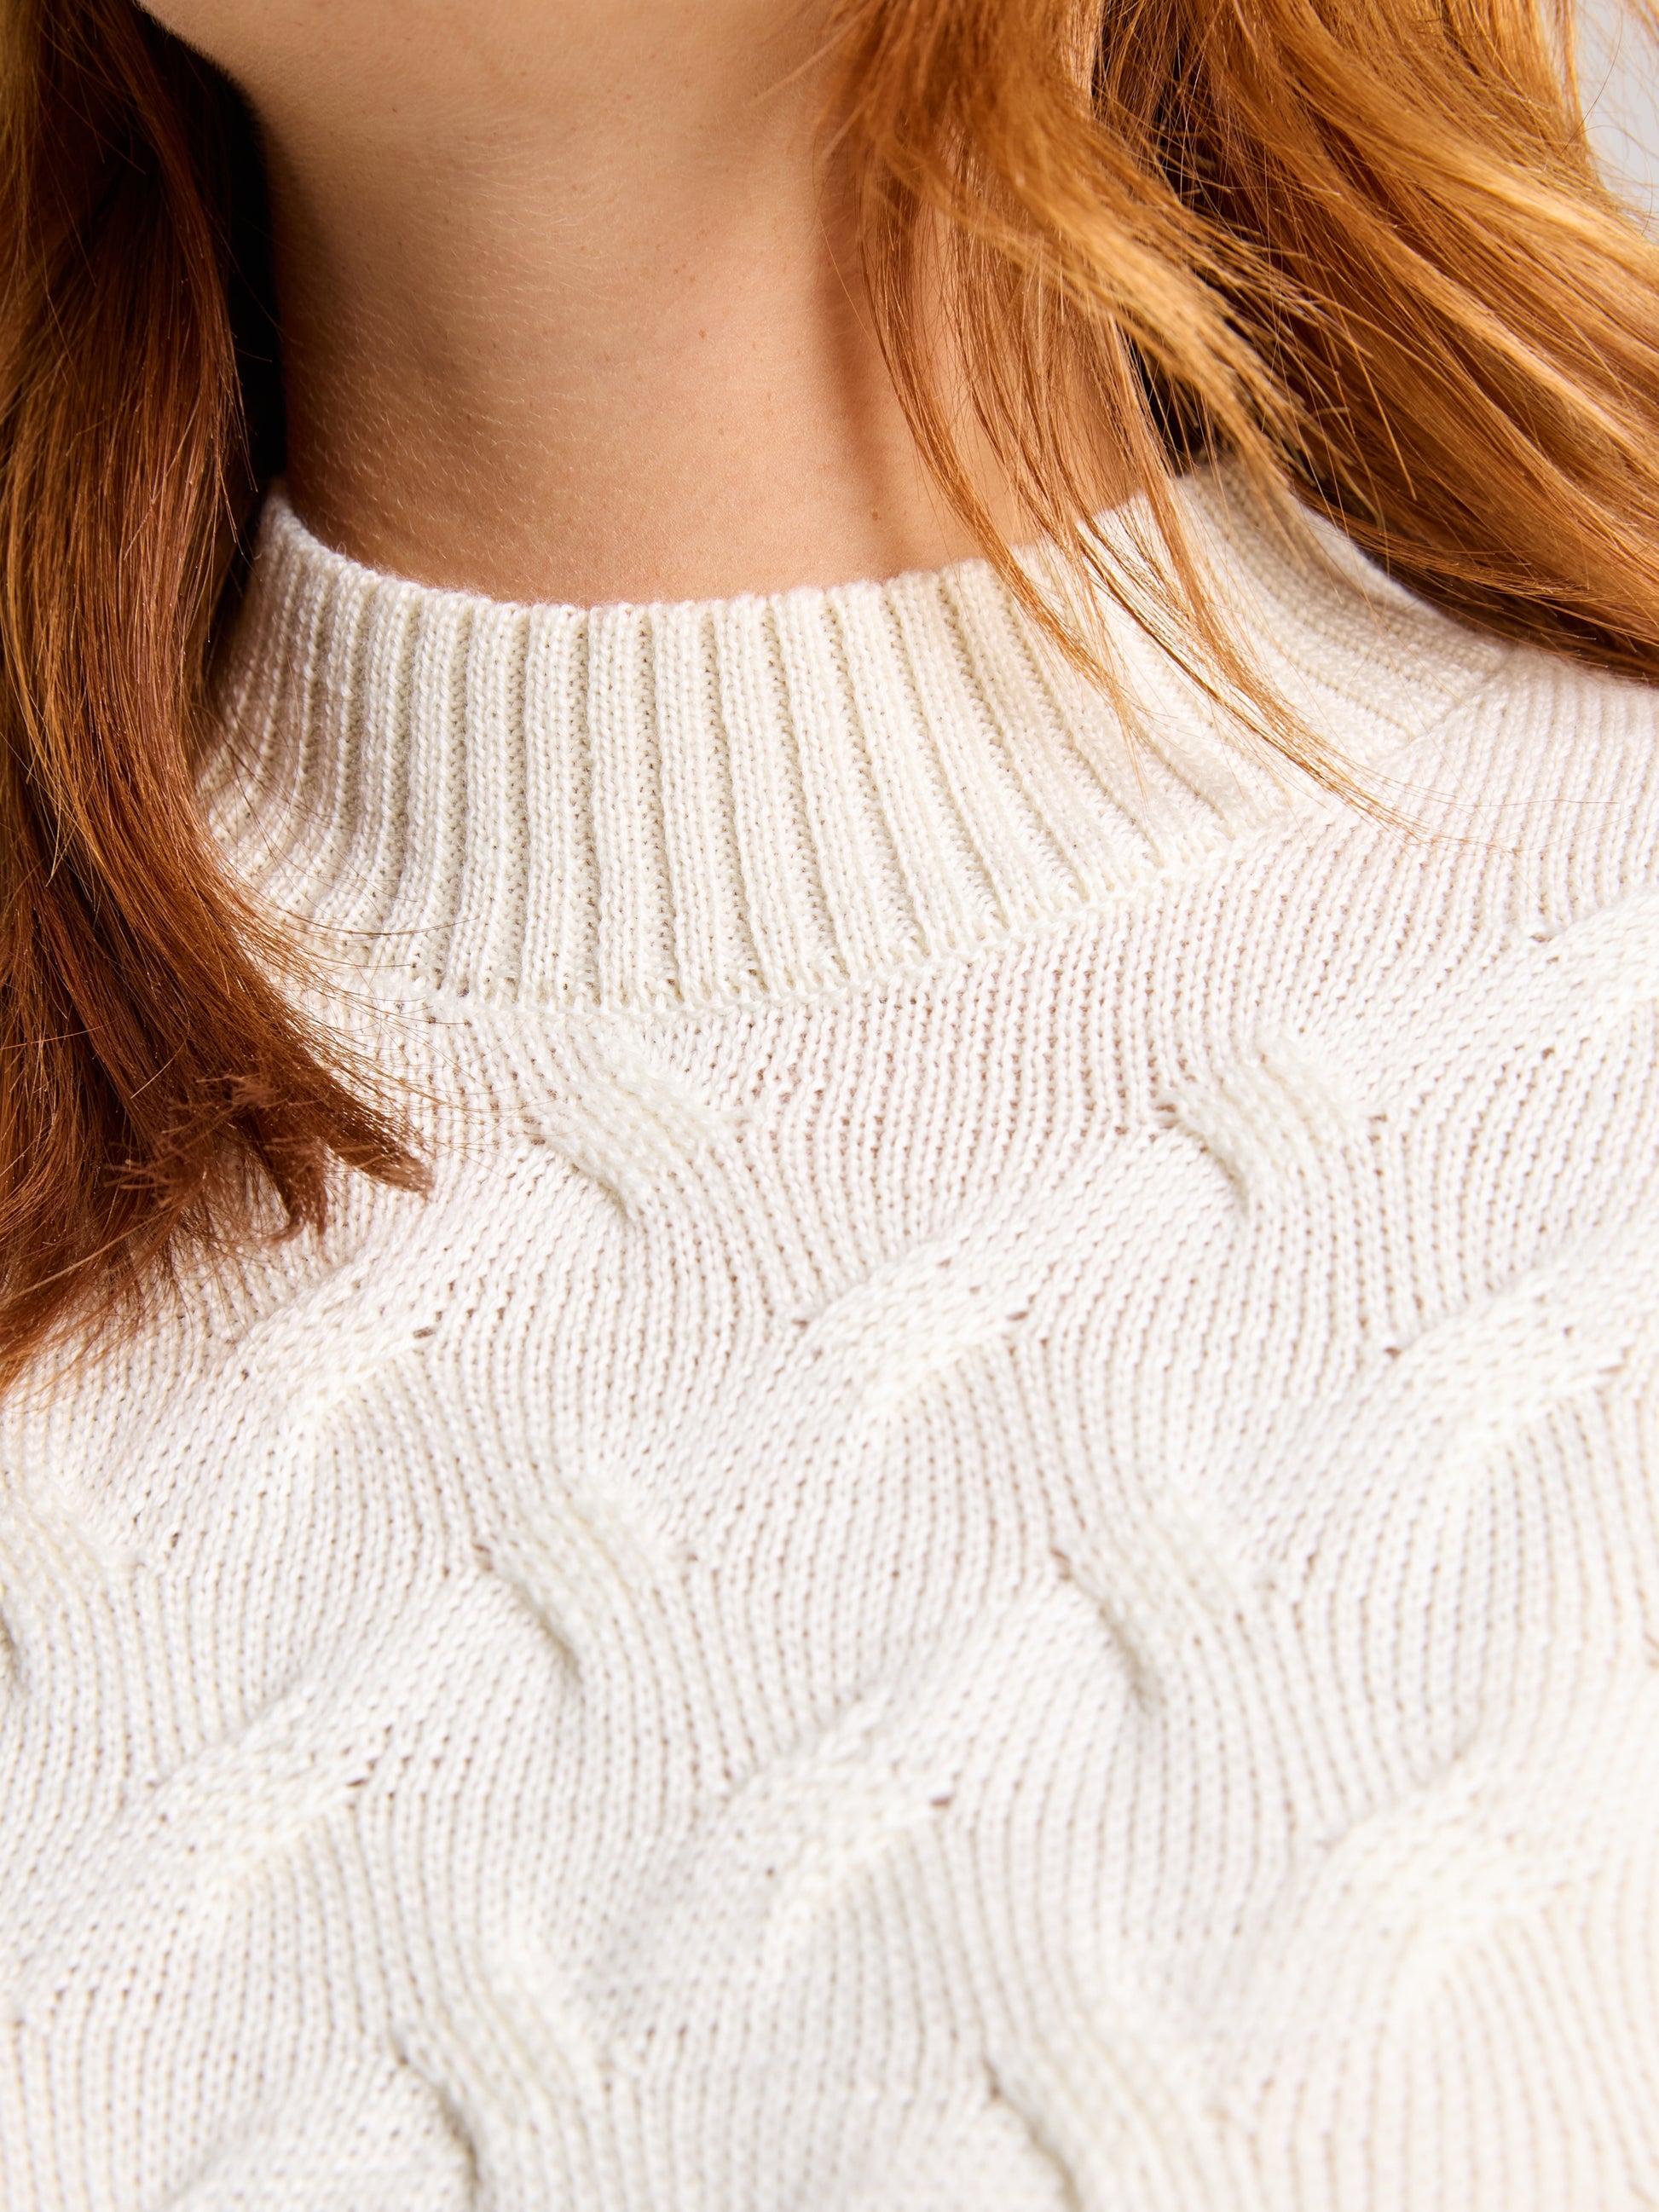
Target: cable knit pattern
[992, 1548]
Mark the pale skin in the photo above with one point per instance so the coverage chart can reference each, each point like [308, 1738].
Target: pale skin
[566, 314]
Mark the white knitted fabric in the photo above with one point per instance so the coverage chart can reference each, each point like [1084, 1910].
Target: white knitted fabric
[992, 1547]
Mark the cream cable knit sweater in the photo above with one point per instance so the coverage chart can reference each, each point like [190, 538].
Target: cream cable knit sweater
[992, 1547]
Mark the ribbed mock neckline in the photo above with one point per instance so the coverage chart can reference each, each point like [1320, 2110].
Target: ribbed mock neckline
[686, 803]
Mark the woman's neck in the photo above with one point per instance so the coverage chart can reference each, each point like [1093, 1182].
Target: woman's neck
[569, 323]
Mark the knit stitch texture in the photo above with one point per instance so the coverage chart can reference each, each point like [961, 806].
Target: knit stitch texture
[992, 1547]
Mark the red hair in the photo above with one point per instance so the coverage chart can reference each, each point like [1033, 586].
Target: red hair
[155, 1080]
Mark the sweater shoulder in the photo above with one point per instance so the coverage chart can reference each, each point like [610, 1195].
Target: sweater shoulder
[1545, 760]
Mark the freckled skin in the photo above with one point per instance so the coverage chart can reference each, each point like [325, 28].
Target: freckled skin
[569, 310]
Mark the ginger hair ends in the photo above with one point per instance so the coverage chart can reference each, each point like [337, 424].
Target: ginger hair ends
[1361, 247]
[158, 1087]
